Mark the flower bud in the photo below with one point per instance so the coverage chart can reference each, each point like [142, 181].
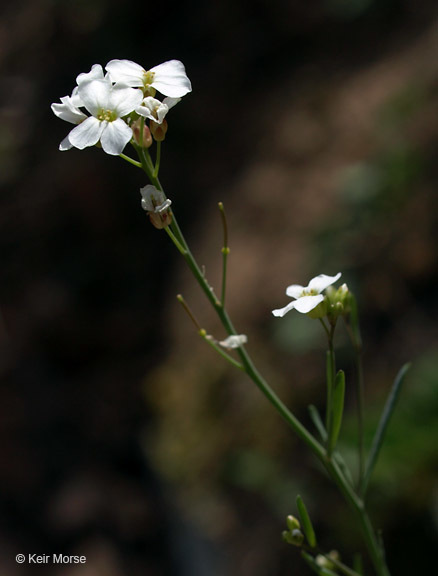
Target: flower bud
[338, 302]
[159, 130]
[292, 523]
[147, 137]
[326, 561]
[294, 537]
[297, 537]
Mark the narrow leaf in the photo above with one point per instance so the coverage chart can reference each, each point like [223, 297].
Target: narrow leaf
[343, 466]
[306, 523]
[383, 425]
[316, 419]
[337, 410]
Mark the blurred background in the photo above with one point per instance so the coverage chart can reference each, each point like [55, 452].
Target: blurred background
[122, 436]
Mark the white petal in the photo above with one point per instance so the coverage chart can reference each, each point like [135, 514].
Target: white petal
[65, 144]
[153, 109]
[67, 111]
[295, 290]
[152, 197]
[321, 282]
[96, 73]
[163, 207]
[87, 133]
[171, 79]
[307, 303]
[95, 95]
[115, 136]
[234, 341]
[170, 102]
[75, 98]
[126, 71]
[280, 312]
[123, 100]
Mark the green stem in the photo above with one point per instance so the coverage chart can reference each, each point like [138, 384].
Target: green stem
[358, 507]
[354, 501]
[247, 363]
[225, 252]
[157, 160]
[360, 410]
[131, 161]
[330, 378]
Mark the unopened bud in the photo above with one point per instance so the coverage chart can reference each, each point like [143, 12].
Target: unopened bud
[338, 302]
[326, 561]
[292, 523]
[297, 537]
[146, 141]
[158, 130]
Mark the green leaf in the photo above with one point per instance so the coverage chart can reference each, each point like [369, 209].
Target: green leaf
[337, 409]
[383, 425]
[306, 523]
[316, 419]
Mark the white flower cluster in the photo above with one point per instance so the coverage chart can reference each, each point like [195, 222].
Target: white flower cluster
[111, 99]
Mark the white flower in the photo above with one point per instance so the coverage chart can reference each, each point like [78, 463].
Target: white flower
[169, 78]
[107, 105]
[234, 341]
[69, 111]
[154, 200]
[96, 73]
[307, 297]
[154, 109]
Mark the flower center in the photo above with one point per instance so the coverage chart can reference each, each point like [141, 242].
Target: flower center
[106, 115]
[148, 78]
[311, 292]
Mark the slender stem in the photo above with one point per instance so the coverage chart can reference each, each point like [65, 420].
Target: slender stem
[357, 505]
[157, 159]
[177, 243]
[330, 377]
[131, 161]
[360, 410]
[354, 501]
[220, 351]
[225, 252]
[188, 311]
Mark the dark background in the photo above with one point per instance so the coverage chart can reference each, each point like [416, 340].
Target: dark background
[122, 437]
